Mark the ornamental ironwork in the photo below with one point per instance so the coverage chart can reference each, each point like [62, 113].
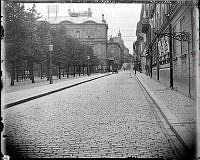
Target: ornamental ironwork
[180, 36]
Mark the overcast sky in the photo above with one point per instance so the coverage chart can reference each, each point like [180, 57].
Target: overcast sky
[122, 16]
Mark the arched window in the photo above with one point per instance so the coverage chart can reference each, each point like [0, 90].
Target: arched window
[77, 34]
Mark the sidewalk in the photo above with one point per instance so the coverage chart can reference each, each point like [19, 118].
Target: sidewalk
[178, 110]
[31, 92]
[27, 84]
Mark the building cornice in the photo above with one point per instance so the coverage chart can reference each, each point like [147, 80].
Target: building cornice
[173, 11]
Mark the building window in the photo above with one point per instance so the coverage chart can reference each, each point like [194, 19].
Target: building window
[193, 65]
[183, 67]
[194, 31]
[167, 9]
[174, 42]
[157, 18]
[78, 34]
[162, 13]
[183, 43]
[146, 13]
[175, 66]
[99, 50]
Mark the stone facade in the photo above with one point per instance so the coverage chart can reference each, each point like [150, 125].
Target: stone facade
[87, 29]
[154, 23]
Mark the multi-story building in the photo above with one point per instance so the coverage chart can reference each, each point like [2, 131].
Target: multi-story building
[127, 56]
[114, 52]
[118, 51]
[86, 29]
[139, 46]
[170, 57]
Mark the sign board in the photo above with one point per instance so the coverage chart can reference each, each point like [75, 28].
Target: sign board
[163, 46]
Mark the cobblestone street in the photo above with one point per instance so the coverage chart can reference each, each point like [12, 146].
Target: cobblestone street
[107, 117]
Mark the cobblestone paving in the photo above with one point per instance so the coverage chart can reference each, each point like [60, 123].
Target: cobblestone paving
[108, 117]
[181, 106]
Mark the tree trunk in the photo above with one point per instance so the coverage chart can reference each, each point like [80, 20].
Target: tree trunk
[22, 74]
[79, 70]
[74, 71]
[12, 75]
[17, 74]
[40, 70]
[83, 70]
[63, 73]
[88, 70]
[59, 71]
[31, 72]
[47, 71]
[67, 71]
[91, 69]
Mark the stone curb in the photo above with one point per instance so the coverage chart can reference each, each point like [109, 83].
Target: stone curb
[181, 132]
[8, 105]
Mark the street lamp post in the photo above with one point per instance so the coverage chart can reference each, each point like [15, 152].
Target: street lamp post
[171, 57]
[135, 66]
[88, 57]
[50, 63]
[158, 64]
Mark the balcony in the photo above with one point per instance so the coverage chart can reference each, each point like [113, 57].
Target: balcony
[145, 25]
